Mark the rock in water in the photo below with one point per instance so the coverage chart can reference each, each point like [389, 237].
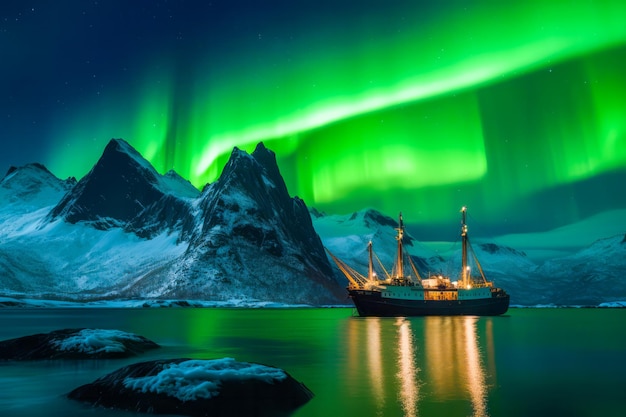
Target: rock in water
[75, 344]
[220, 387]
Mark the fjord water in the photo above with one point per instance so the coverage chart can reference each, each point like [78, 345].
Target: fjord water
[529, 362]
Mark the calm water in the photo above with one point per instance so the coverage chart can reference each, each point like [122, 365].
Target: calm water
[531, 362]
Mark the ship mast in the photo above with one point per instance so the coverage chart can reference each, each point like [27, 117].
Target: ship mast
[464, 267]
[370, 273]
[399, 261]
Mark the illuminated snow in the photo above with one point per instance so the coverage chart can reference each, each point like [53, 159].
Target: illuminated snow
[194, 379]
[93, 341]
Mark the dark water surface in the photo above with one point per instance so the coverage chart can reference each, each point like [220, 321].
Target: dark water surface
[530, 362]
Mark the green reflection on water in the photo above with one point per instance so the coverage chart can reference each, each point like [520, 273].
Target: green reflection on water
[539, 362]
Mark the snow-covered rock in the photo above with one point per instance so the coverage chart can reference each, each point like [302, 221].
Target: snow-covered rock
[75, 344]
[219, 387]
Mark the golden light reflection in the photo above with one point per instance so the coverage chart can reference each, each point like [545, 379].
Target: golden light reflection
[455, 366]
[441, 350]
[404, 366]
[407, 371]
[476, 384]
[375, 365]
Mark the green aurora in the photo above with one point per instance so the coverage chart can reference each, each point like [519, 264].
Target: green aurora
[492, 106]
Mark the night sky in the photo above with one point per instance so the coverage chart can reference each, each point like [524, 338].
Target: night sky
[518, 112]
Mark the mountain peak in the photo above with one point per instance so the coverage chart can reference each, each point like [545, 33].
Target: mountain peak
[267, 159]
[243, 237]
[373, 218]
[493, 248]
[249, 211]
[260, 152]
[32, 183]
[119, 148]
[33, 167]
[119, 188]
[255, 171]
[120, 145]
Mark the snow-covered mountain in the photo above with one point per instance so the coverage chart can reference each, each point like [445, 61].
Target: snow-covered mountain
[593, 274]
[124, 190]
[29, 188]
[126, 231]
[252, 238]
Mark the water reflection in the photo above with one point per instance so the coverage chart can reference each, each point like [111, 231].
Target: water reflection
[407, 371]
[374, 362]
[440, 365]
[476, 384]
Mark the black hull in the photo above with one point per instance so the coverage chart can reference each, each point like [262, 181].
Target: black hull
[370, 303]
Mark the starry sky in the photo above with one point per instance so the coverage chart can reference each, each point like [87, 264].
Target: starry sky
[516, 110]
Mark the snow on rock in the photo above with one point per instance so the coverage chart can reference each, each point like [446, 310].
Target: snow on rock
[194, 379]
[94, 341]
[75, 344]
[219, 387]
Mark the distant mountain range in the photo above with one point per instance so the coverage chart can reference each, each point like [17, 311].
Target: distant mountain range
[124, 231]
[588, 277]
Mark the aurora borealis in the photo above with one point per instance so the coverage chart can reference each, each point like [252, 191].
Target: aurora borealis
[518, 111]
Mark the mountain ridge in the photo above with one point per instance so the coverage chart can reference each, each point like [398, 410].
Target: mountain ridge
[124, 230]
[243, 237]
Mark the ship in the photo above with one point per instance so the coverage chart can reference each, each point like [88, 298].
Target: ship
[407, 294]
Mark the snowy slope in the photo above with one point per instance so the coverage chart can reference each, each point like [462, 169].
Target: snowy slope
[58, 259]
[62, 260]
[125, 231]
[565, 240]
[28, 189]
[590, 276]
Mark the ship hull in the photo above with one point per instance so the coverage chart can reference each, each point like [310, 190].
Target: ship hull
[370, 303]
